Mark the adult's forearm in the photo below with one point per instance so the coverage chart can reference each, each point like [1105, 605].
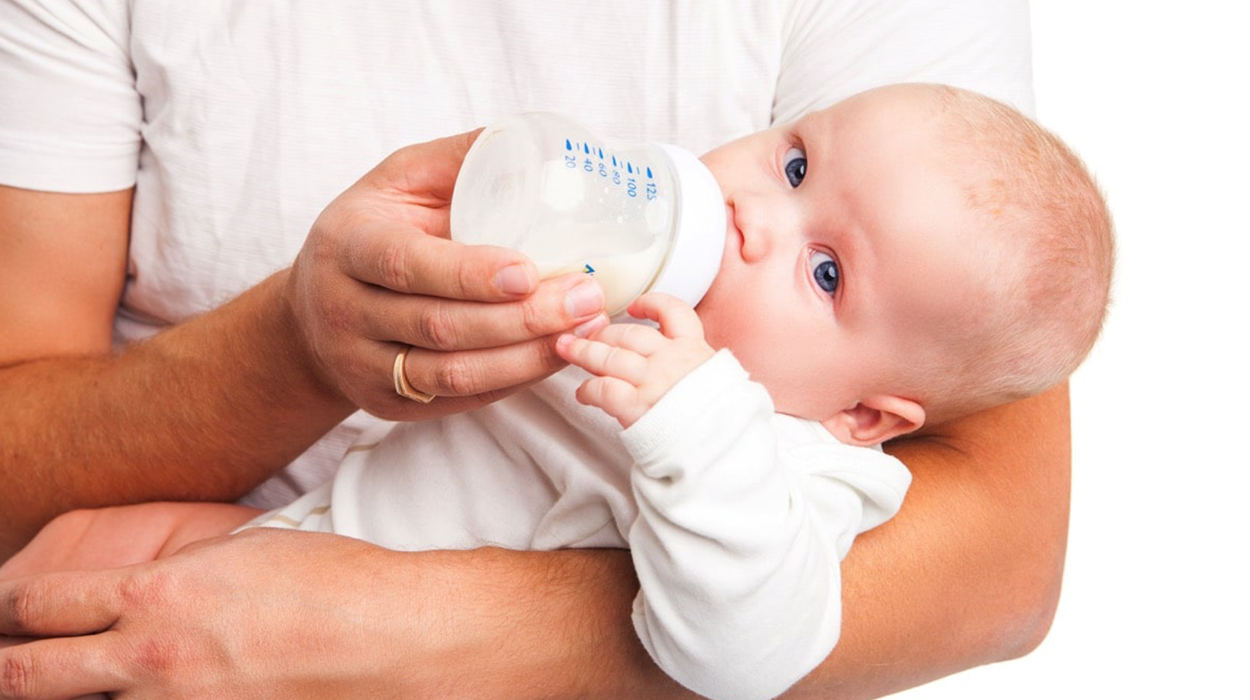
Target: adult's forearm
[967, 574]
[205, 410]
[535, 625]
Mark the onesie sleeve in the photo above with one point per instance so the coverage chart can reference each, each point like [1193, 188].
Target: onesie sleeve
[70, 115]
[832, 50]
[743, 519]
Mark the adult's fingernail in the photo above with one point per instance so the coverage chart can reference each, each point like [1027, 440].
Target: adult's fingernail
[584, 299]
[514, 279]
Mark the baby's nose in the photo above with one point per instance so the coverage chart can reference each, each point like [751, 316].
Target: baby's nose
[762, 225]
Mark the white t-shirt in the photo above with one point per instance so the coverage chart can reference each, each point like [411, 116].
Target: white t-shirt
[237, 121]
[737, 518]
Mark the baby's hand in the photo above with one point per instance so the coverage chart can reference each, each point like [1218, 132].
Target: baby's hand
[635, 364]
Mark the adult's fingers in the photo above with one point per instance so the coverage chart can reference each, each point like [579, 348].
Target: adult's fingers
[435, 323]
[64, 667]
[59, 604]
[391, 229]
[425, 172]
[417, 263]
[486, 374]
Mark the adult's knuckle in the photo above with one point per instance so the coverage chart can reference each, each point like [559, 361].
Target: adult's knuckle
[455, 376]
[393, 267]
[464, 281]
[322, 244]
[338, 316]
[437, 328]
[534, 320]
[147, 590]
[23, 606]
[18, 678]
[157, 656]
[334, 230]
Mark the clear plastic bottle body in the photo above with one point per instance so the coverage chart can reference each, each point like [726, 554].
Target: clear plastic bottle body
[571, 201]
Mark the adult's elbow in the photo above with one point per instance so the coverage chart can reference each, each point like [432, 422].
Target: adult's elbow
[1031, 617]
[1027, 603]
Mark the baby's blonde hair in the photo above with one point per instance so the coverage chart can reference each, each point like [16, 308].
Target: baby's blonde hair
[1049, 294]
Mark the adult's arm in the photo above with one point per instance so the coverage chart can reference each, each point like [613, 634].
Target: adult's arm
[212, 406]
[922, 600]
[169, 418]
[969, 571]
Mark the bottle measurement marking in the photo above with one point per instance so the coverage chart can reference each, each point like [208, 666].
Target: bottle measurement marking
[588, 156]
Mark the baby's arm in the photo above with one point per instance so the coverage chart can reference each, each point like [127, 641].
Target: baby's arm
[635, 365]
[743, 519]
[738, 539]
[107, 538]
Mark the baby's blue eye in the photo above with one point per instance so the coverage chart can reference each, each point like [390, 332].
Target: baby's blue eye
[825, 272]
[794, 163]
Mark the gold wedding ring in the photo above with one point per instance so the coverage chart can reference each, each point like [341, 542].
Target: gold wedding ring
[402, 387]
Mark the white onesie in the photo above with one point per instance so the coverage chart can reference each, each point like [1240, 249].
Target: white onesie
[737, 517]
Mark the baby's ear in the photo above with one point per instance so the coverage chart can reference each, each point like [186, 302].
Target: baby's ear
[875, 420]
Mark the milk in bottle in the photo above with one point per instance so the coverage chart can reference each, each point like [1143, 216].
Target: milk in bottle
[639, 217]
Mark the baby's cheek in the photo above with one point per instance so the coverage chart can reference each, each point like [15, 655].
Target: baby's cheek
[797, 387]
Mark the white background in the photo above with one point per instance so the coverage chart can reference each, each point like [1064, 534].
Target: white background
[1154, 96]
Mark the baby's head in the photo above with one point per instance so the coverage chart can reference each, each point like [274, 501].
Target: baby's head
[912, 254]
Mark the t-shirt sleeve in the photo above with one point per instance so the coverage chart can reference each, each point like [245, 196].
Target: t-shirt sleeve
[70, 116]
[832, 50]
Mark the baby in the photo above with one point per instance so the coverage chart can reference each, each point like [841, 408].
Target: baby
[907, 256]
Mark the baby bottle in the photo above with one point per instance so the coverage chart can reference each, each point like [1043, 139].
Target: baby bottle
[638, 217]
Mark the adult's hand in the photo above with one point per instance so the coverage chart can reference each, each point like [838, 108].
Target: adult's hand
[285, 614]
[379, 272]
[224, 399]
[178, 627]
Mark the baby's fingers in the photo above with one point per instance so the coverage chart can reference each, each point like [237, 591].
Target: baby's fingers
[677, 319]
[602, 359]
[614, 397]
[644, 340]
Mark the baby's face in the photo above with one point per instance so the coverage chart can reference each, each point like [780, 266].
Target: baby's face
[843, 256]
